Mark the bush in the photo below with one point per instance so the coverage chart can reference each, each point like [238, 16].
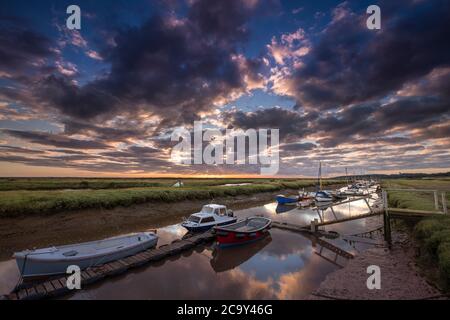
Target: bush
[444, 262]
[426, 228]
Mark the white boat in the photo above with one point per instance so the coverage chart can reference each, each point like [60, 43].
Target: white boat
[323, 196]
[56, 260]
[211, 215]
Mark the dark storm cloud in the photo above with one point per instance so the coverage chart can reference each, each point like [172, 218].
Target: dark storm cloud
[291, 123]
[20, 47]
[298, 146]
[79, 102]
[55, 140]
[14, 149]
[351, 64]
[412, 111]
[174, 67]
[104, 133]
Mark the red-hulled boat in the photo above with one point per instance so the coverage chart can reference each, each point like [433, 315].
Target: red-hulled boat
[248, 230]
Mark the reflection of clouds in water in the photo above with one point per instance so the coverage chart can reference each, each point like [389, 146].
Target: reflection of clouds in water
[298, 285]
[287, 243]
[169, 233]
[185, 278]
[286, 268]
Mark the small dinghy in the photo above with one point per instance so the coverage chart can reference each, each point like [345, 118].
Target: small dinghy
[245, 231]
[211, 215]
[281, 199]
[55, 260]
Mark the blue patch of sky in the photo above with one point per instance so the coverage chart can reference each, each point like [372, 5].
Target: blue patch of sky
[259, 98]
[30, 125]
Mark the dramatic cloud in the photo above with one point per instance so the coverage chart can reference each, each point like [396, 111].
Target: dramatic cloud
[113, 92]
[349, 63]
[21, 49]
[55, 140]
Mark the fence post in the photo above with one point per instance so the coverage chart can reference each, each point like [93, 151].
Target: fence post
[314, 225]
[387, 220]
[444, 203]
[436, 200]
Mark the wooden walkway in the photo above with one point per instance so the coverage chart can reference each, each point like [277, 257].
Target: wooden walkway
[57, 287]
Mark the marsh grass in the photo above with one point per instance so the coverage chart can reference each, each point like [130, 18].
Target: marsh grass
[416, 200]
[434, 237]
[433, 234]
[26, 202]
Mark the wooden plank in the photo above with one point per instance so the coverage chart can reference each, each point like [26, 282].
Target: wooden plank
[56, 284]
[85, 276]
[41, 290]
[360, 216]
[22, 294]
[31, 293]
[48, 287]
[406, 212]
[123, 263]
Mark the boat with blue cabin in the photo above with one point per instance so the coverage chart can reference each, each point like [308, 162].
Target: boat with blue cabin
[323, 196]
[211, 215]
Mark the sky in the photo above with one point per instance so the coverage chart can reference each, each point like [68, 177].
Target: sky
[103, 100]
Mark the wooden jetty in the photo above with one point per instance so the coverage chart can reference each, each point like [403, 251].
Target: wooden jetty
[57, 287]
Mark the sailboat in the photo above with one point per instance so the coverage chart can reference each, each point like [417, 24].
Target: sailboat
[322, 195]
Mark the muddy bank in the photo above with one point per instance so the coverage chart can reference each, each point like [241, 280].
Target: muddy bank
[85, 225]
[400, 275]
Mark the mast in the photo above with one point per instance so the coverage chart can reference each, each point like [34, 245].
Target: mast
[319, 178]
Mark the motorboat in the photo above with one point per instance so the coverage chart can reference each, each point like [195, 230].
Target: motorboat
[244, 231]
[211, 215]
[56, 260]
[323, 196]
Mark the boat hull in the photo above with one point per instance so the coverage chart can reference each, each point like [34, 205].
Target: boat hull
[33, 266]
[208, 227]
[286, 200]
[242, 232]
[235, 239]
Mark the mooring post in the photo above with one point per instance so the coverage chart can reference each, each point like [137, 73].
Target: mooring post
[444, 203]
[314, 225]
[436, 200]
[387, 220]
[368, 205]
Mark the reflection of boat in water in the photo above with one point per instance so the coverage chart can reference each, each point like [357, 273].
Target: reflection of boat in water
[224, 260]
[282, 208]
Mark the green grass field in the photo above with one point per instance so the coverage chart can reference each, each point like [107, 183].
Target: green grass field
[47, 196]
[416, 200]
[433, 234]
